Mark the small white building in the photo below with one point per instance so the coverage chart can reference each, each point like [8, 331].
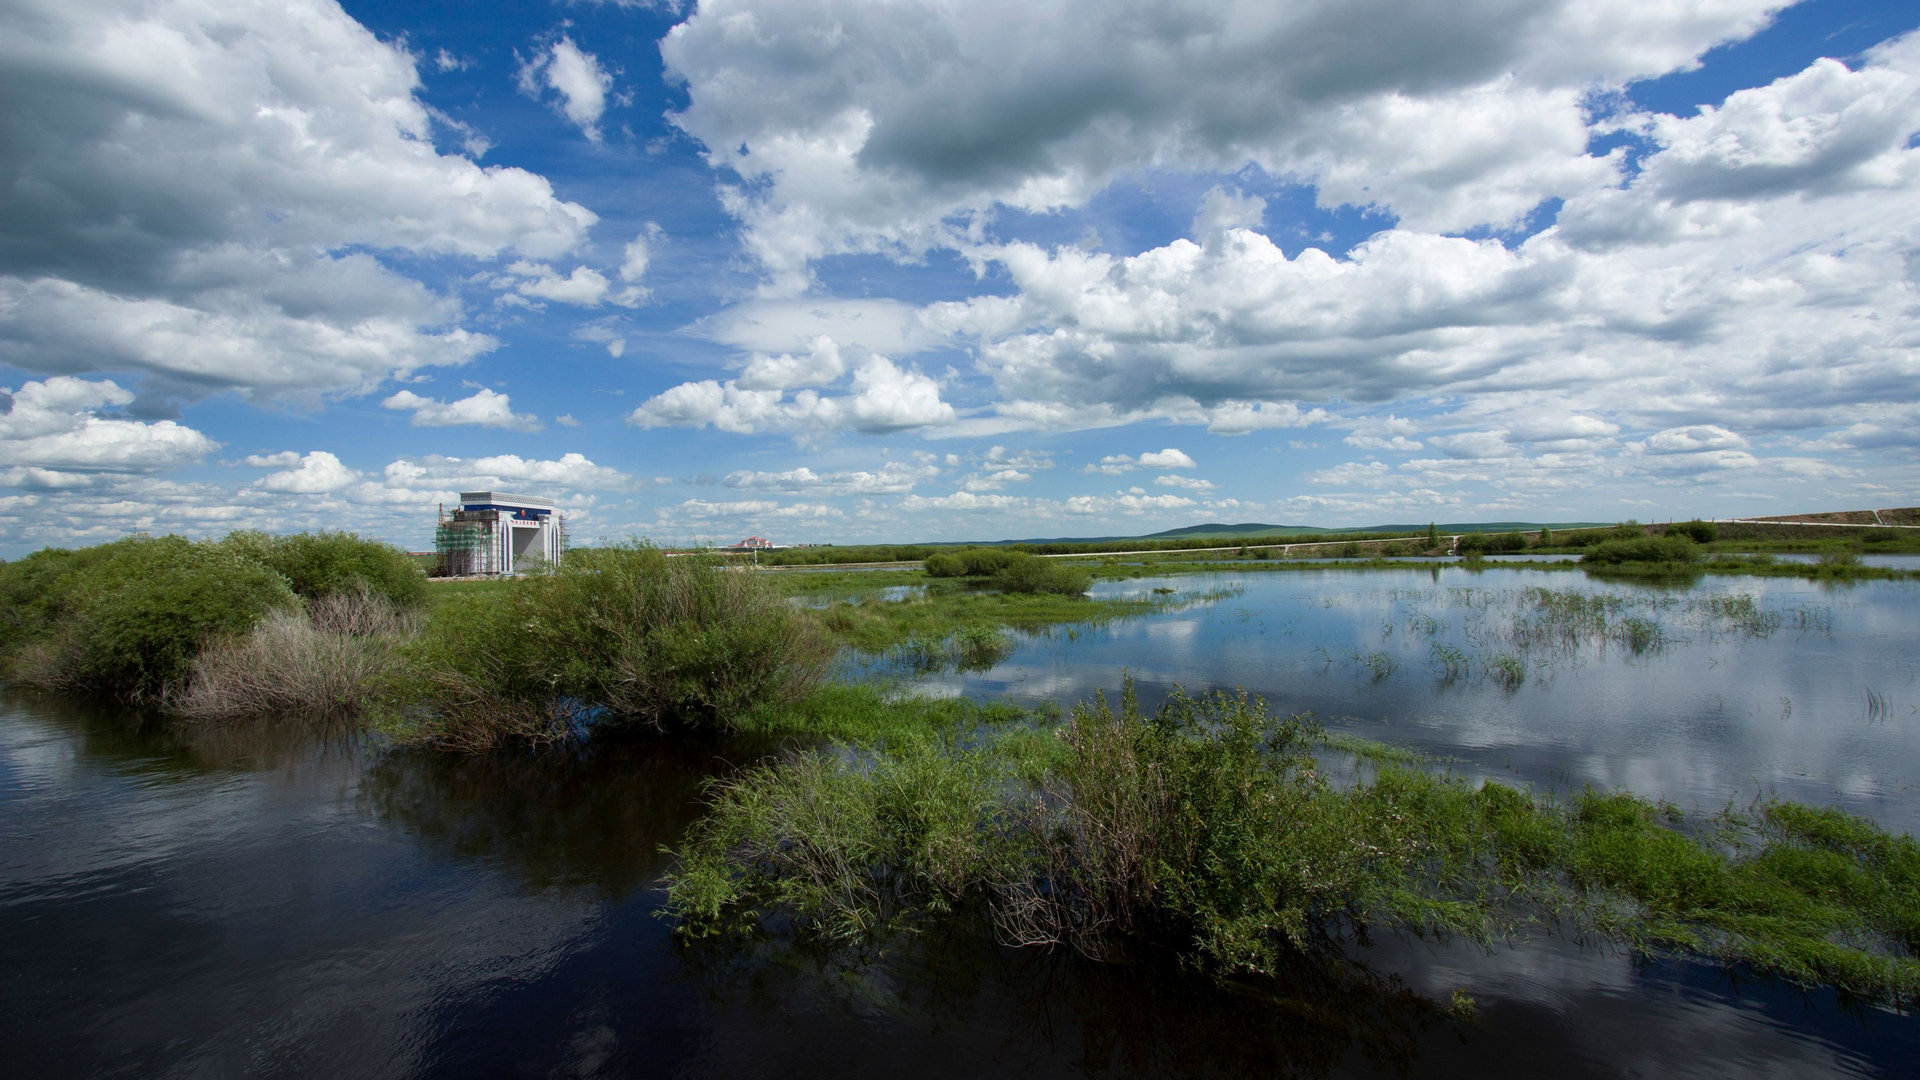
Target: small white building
[495, 532]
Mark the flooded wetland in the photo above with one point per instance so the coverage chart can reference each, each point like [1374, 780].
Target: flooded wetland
[210, 900]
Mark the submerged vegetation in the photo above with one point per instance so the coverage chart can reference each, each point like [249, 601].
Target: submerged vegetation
[1211, 826]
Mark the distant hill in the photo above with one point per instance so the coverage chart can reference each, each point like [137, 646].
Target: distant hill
[1215, 530]
[1491, 526]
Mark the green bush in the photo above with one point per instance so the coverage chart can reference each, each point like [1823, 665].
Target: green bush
[945, 564]
[985, 562]
[1677, 550]
[626, 636]
[35, 592]
[334, 564]
[973, 561]
[1210, 827]
[1492, 543]
[128, 618]
[1590, 537]
[1028, 574]
[1700, 532]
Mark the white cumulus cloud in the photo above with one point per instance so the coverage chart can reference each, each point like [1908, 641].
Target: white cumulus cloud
[485, 408]
[576, 79]
[52, 436]
[203, 194]
[884, 398]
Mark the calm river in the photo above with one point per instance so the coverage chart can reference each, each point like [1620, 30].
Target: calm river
[306, 904]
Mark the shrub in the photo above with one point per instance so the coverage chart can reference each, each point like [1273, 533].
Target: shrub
[327, 661]
[1028, 574]
[627, 636]
[972, 562]
[1590, 537]
[945, 564]
[1675, 550]
[1700, 532]
[1210, 827]
[1838, 556]
[37, 590]
[334, 563]
[128, 618]
[1492, 543]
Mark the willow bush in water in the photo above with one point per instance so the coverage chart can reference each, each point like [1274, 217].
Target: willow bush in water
[1206, 823]
[1210, 826]
[127, 619]
[617, 636]
[136, 618]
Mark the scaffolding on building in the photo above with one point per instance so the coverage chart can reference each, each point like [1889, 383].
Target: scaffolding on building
[465, 545]
[473, 543]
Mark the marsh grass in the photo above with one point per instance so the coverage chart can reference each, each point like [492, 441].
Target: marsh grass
[1211, 828]
[1449, 662]
[1506, 635]
[1877, 707]
[621, 637]
[970, 648]
[871, 714]
[327, 661]
[944, 611]
[1506, 670]
[1378, 663]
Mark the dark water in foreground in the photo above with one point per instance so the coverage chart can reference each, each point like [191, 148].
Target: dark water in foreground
[306, 905]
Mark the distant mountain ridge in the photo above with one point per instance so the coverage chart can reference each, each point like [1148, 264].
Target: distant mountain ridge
[1254, 528]
[1215, 530]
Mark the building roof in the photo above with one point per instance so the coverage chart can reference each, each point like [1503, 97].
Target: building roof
[502, 498]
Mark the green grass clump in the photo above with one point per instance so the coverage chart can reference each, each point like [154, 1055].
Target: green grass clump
[842, 850]
[950, 612]
[1206, 824]
[1669, 550]
[1210, 827]
[867, 714]
[970, 648]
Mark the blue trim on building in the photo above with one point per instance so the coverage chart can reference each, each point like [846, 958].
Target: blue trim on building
[523, 513]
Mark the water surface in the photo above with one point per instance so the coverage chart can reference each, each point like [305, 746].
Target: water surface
[303, 903]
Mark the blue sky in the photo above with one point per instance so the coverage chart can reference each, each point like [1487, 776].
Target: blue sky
[837, 271]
